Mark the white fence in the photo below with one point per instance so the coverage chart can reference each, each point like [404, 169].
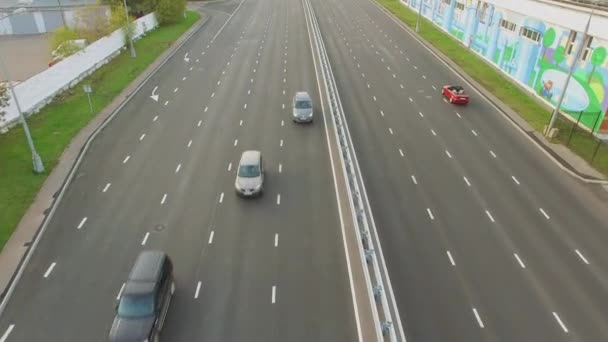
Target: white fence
[39, 90]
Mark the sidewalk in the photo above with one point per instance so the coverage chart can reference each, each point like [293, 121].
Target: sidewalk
[15, 252]
[565, 159]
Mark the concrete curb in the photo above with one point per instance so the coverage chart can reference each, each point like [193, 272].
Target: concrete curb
[20, 247]
[513, 117]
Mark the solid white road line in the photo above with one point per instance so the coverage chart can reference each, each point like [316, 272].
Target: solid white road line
[211, 237]
[580, 255]
[49, 270]
[276, 240]
[467, 181]
[430, 214]
[221, 197]
[198, 289]
[143, 242]
[229, 166]
[279, 199]
[515, 180]
[236, 141]
[493, 154]
[490, 216]
[7, 333]
[433, 131]
[82, 222]
[189, 143]
[142, 137]
[451, 259]
[274, 294]
[106, 187]
[122, 287]
[448, 153]
[560, 322]
[179, 166]
[162, 201]
[401, 153]
[478, 318]
[474, 133]
[414, 179]
[280, 168]
[544, 213]
[521, 263]
[126, 159]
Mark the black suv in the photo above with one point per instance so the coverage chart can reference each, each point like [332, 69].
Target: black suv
[145, 299]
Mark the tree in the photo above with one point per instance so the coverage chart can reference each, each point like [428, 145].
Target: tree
[597, 58]
[548, 40]
[170, 11]
[136, 8]
[4, 97]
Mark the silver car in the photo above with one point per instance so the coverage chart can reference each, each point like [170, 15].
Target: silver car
[250, 174]
[302, 107]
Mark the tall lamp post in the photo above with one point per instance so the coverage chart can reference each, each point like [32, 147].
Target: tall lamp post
[579, 50]
[37, 161]
[419, 14]
[133, 53]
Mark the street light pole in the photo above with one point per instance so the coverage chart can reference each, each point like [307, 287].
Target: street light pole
[38, 165]
[133, 53]
[579, 50]
[419, 14]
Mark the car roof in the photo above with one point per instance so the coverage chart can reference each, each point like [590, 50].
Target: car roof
[145, 272]
[302, 95]
[251, 157]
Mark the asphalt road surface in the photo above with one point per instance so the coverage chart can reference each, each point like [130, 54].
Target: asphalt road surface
[484, 237]
[161, 176]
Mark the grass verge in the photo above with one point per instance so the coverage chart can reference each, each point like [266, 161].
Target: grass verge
[501, 86]
[59, 122]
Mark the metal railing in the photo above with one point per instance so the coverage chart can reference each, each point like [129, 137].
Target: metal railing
[385, 312]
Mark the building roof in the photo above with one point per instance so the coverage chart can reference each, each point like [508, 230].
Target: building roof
[45, 3]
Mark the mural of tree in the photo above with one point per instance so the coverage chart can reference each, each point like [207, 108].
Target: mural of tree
[559, 55]
[548, 40]
[597, 58]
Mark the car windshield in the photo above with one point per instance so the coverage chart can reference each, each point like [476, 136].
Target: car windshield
[136, 306]
[303, 104]
[249, 171]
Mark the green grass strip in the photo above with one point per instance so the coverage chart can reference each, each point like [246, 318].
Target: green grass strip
[59, 122]
[501, 86]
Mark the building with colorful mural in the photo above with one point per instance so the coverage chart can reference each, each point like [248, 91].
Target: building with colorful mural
[535, 42]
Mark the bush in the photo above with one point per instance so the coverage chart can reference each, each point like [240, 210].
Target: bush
[62, 34]
[170, 11]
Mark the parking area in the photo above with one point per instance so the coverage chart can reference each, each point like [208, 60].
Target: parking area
[25, 55]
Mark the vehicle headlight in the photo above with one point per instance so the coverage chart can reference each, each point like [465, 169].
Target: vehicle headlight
[258, 187]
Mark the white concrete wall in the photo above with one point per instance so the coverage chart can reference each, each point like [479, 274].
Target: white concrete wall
[39, 90]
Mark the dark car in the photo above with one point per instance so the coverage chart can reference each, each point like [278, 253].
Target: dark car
[145, 299]
[455, 94]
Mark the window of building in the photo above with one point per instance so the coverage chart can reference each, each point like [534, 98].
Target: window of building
[460, 6]
[530, 34]
[483, 13]
[587, 49]
[447, 2]
[508, 25]
[570, 42]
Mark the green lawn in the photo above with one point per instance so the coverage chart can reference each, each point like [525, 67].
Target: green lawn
[55, 126]
[501, 86]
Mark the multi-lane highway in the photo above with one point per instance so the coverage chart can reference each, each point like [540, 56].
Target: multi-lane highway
[485, 238]
[161, 176]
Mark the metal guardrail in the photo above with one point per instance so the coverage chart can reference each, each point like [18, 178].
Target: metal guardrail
[385, 312]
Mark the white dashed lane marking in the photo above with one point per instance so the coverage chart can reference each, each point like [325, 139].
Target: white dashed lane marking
[580, 255]
[521, 263]
[49, 270]
[82, 222]
[106, 187]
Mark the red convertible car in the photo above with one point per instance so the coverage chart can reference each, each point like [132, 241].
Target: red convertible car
[455, 94]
